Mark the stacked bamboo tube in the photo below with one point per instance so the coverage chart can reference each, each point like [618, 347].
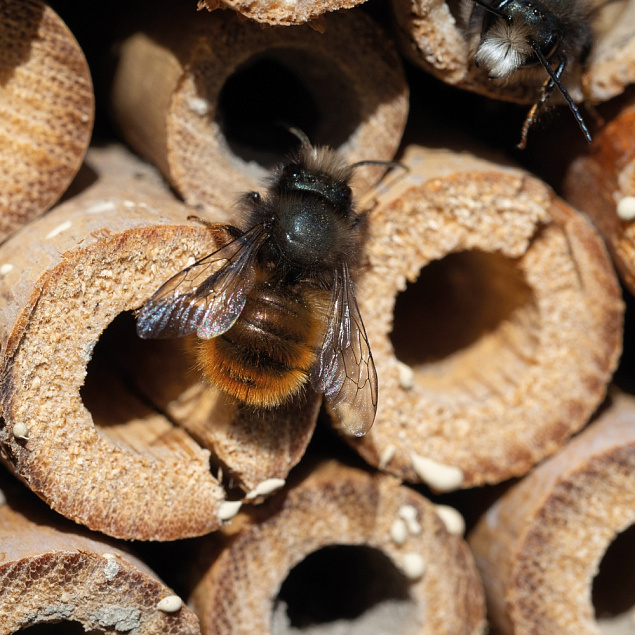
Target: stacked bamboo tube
[492, 309]
[432, 35]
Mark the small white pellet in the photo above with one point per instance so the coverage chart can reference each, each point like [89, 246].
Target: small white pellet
[228, 509]
[413, 566]
[20, 431]
[626, 208]
[440, 477]
[398, 532]
[170, 604]
[452, 519]
[265, 487]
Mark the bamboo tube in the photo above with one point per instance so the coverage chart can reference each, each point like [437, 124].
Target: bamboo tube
[602, 184]
[106, 454]
[433, 35]
[54, 572]
[352, 546]
[46, 110]
[206, 98]
[540, 546]
[494, 317]
[280, 13]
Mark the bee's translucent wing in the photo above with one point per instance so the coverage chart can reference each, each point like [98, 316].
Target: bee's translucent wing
[344, 369]
[207, 297]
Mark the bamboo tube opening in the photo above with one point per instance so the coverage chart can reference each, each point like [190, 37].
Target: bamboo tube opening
[62, 628]
[208, 106]
[435, 35]
[473, 308]
[613, 591]
[338, 583]
[122, 411]
[294, 88]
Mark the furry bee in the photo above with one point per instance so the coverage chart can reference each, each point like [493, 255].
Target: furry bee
[515, 40]
[274, 307]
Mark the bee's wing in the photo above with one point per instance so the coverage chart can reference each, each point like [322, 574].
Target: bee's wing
[344, 369]
[207, 297]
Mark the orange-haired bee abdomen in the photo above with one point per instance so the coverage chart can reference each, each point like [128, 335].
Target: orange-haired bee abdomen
[264, 359]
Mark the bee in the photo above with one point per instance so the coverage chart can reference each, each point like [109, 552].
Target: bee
[274, 307]
[515, 40]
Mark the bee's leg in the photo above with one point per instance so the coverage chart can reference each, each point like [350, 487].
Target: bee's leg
[234, 232]
[532, 115]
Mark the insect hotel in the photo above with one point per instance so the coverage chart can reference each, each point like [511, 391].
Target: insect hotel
[316, 317]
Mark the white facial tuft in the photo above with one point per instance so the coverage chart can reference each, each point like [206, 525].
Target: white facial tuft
[504, 48]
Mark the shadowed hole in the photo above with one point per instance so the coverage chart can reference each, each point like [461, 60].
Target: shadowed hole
[613, 592]
[357, 590]
[128, 384]
[282, 88]
[61, 628]
[470, 317]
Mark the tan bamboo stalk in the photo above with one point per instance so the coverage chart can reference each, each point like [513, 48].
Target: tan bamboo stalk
[46, 110]
[417, 576]
[494, 317]
[540, 546]
[281, 13]
[167, 96]
[107, 454]
[55, 572]
[431, 35]
[602, 184]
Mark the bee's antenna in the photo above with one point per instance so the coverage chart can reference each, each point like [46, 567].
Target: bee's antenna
[556, 80]
[300, 134]
[491, 9]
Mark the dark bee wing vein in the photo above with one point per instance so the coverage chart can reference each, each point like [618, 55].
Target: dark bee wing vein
[344, 369]
[207, 297]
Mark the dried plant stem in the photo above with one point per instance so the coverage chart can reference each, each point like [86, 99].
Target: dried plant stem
[540, 546]
[46, 110]
[409, 569]
[494, 316]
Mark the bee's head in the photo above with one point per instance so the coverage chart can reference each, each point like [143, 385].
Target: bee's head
[512, 30]
[313, 204]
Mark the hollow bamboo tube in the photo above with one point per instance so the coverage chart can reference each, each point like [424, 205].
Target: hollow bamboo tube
[602, 184]
[54, 572]
[46, 110]
[207, 97]
[108, 454]
[540, 546]
[494, 317]
[387, 560]
[280, 13]
[434, 36]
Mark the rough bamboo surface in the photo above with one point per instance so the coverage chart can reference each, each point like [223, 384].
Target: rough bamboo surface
[414, 575]
[539, 547]
[494, 316]
[280, 12]
[602, 184]
[432, 34]
[55, 572]
[105, 444]
[46, 110]
[171, 81]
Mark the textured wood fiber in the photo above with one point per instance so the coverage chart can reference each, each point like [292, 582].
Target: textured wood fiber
[489, 363]
[361, 98]
[336, 505]
[597, 181]
[539, 547]
[46, 110]
[55, 572]
[114, 455]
